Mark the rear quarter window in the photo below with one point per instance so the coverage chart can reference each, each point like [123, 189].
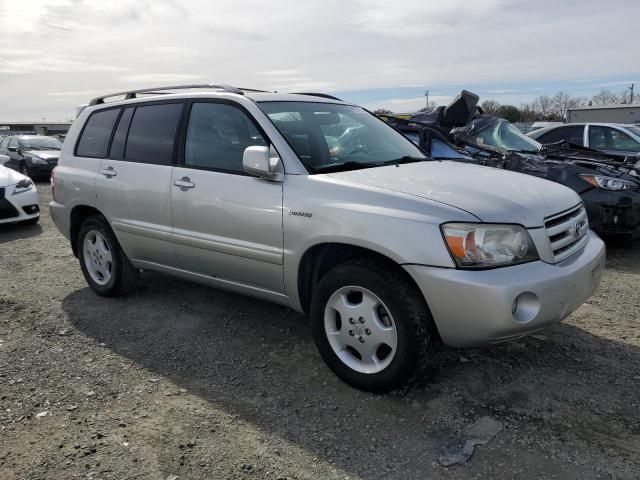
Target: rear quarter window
[94, 140]
[152, 133]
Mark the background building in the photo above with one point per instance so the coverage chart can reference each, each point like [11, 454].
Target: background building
[38, 128]
[605, 114]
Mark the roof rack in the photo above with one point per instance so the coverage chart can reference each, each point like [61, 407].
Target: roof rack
[130, 94]
[315, 94]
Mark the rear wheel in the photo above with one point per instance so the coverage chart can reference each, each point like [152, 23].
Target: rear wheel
[105, 266]
[371, 325]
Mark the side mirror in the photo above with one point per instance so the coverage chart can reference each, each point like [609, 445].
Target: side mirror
[4, 159]
[263, 162]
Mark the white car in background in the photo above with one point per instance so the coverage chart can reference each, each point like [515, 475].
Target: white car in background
[18, 198]
[612, 138]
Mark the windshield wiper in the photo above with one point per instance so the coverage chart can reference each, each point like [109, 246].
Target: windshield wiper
[343, 167]
[405, 159]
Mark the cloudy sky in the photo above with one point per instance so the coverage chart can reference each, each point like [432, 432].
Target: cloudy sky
[56, 54]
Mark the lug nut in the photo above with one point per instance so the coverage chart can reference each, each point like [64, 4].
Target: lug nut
[361, 320]
[352, 321]
[351, 332]
[361, 339]
[367, 331]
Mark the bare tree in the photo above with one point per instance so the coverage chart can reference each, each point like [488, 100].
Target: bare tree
[605, 97]
[490, 107]
[560, 102]
[543, 105]
[382, 111]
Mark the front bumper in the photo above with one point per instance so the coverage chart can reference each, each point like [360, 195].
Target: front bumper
[613, 213]
[473, 308]
[19, 207]
[42, 169]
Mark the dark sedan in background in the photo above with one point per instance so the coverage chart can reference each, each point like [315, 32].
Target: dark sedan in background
[31, 155]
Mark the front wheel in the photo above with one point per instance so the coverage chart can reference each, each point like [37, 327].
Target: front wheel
[372, 325]
[24, 169]
[105, 266]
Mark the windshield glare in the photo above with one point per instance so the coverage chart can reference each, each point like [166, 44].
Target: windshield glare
[41, 143]
[502, 134]
[325, 135]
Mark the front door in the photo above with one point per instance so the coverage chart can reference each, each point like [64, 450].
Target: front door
[226, 224]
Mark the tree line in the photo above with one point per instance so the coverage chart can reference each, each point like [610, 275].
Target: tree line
[554, 108]
[547, 107]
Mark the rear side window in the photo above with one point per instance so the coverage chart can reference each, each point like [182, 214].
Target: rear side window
[573, 134]
[120, 137]
[95, 137]
[152, 133]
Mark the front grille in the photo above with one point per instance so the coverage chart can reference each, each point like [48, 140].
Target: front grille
[567, 231]
[7, 210]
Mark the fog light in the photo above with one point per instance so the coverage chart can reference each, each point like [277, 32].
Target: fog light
[30, 209]
[525, 307]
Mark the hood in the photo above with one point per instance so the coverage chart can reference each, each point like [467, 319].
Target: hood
[492, 195]
[9, 177]
[44, 154]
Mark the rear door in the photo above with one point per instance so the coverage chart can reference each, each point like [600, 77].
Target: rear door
[226, 224]
[133, 186]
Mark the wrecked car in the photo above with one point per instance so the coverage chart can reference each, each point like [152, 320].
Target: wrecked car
[609, 185]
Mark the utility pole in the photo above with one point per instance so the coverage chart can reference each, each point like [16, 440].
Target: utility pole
[426, 94]
[631, 88]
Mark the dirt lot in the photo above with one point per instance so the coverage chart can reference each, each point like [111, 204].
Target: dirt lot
[181, 380]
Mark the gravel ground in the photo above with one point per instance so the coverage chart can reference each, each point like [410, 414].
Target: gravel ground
[182, 381]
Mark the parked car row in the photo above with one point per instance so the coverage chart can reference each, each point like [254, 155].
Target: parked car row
[31, 155]
[314, 203]
[608, 183]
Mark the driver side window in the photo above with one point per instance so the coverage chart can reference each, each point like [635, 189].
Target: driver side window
[217, 136]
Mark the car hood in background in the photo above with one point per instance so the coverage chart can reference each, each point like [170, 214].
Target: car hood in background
[44, 154]
[9, 177]
[493, 195]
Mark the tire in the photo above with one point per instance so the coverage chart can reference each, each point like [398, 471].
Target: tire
[31, 221]
[24, 169]
[394, 303]
[104, 265]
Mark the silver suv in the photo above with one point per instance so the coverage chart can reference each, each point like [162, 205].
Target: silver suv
[314, 203]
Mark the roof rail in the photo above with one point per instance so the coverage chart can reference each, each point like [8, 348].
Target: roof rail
[315, 94]
[129, 94]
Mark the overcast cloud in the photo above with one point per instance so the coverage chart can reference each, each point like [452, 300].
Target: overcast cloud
[56, 54]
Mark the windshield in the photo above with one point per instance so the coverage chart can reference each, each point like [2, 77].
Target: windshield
[499, 133]
[40, 143]
[330, 137]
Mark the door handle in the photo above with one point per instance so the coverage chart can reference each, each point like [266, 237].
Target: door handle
[109, 172]
[184, 182]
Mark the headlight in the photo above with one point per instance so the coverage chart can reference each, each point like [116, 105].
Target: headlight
[23, 186]
[609, 183]
[485, 245]
[38, 160]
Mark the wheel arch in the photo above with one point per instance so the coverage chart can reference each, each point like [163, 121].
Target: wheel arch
[79, 214]
[318, 259]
